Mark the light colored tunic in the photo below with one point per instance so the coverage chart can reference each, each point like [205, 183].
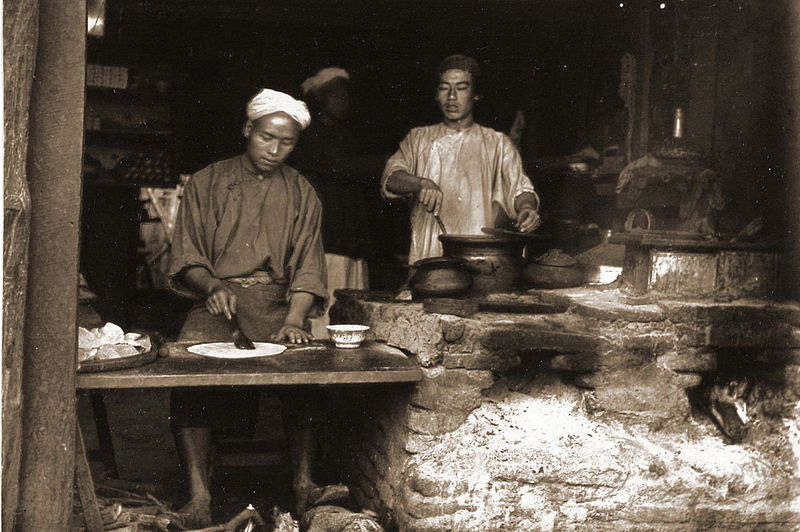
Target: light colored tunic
[236, 223]
[478, 170]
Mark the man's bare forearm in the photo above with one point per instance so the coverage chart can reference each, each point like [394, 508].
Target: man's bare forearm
[526, 199]
[400, 182]
[299, 306]
[201, 280]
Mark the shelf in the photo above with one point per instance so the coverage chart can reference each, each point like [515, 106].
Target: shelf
[131, 184]
[144, 136]
[125, 96]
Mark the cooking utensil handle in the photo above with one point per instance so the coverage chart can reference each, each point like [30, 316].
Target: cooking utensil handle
[441, 224]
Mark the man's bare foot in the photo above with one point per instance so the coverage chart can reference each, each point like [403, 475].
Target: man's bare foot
[309, 495]
[302, 494]
[196, 514]
[328, 494]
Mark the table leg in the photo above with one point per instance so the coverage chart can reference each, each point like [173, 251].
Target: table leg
[85, 485]
[103, 433]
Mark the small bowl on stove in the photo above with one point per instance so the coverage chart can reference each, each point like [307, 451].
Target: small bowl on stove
[347, 336]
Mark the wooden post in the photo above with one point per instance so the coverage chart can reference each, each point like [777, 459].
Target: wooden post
[699, 126]
[644, 63]
[85, 485]
[55, 156]
[19, 36]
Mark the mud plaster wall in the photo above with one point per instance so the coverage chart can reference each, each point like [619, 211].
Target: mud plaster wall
[595, 418]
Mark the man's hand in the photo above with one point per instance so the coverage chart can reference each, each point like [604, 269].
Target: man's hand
[292, 334]
[527, 207]
[221, 301]
[219, 298]
[527, 220]
[430, 195]
[292, 328]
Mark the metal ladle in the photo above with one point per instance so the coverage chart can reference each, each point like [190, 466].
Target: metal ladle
[441, 224]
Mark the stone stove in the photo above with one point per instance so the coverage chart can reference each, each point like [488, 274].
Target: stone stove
[693, 265]
[607, 416]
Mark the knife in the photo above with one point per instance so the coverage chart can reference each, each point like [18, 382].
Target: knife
[240, 339]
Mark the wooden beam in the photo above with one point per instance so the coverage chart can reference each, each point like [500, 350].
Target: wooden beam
[19, 51]
[54, 175]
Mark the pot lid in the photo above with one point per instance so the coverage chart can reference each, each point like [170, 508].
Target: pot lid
[555, 257]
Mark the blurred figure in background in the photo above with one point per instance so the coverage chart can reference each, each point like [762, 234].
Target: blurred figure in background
[327, 155]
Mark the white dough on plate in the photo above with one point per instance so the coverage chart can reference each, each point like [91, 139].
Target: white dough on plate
[228, 350]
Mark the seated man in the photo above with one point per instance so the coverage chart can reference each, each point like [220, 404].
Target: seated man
[248, 242]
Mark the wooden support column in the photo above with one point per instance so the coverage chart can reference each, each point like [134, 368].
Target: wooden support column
[85, 485]
[644, 64]
[54, 175]
[699, 118]
[19, 51]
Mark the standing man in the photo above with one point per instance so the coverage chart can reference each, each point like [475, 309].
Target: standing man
[328, 157]
[464, 172]
[247, 242]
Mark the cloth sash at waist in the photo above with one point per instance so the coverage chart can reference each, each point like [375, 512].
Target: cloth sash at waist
[259, 277]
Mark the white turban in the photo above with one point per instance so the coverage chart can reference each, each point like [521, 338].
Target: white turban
[268, 101]
[322, 77]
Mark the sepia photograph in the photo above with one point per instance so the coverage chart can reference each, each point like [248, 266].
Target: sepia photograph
[401, 266]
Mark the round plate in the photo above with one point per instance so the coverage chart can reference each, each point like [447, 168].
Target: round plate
[230, 351]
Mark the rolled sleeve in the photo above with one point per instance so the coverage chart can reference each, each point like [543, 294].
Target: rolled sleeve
[512, 180]
[188, 243]
[403, 159]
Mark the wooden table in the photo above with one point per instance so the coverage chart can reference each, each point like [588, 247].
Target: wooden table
[318, 364]
[315, 364]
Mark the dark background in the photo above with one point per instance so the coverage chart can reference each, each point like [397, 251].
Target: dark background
[558, 61]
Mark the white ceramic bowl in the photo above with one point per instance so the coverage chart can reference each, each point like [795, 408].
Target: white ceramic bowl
[347, 336]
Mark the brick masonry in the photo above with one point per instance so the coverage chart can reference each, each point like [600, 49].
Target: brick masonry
[594, 418]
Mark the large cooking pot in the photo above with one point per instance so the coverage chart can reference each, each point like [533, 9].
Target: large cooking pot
[553, 269]
[447, 277]
[496, 261]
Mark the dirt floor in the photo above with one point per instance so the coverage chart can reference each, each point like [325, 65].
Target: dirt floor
[253, 469]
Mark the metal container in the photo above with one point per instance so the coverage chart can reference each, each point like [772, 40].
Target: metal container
[440, 277]
[553, 269]
[496, 261]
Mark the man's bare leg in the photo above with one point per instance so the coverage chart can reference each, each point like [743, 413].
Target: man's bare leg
[194, 444]
[302, 446]
[300, 411]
